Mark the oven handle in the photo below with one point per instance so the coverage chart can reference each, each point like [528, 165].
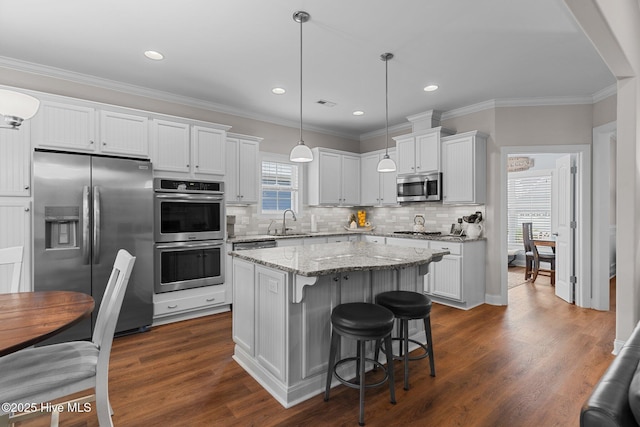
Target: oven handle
[181, 245]
[194, 197]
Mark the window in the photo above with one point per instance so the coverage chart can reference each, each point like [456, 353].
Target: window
[279, 187]
[529, 200]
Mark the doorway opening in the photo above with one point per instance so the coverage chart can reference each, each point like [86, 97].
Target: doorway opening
[578, 239]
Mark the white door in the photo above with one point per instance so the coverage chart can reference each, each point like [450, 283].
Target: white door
[563, 214]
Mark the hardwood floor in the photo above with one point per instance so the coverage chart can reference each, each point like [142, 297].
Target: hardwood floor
[532, 363]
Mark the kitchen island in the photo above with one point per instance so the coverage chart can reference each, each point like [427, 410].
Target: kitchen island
[282, 302]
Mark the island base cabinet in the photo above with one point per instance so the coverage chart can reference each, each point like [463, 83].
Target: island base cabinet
[284, 345]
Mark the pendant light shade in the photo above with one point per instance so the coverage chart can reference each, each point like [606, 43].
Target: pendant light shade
[17, 107]
[301, 153]
[386, 164]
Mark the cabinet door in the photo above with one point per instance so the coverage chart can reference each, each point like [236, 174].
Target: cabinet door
[15, 230]
[65, 126]
[428, 153]
[15, 161]
[351, 180]
[330, 178]
[208, 150]
[170, 146]
[124, 134]
[370, 180]
[447, 277]
[458, 170]
[405, 150]
[231, 190]
[248, 171]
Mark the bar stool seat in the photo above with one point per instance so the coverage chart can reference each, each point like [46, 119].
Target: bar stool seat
[361, 322]
[405, 306]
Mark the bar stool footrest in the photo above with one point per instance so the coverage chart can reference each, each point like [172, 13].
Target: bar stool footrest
[375, 363]
[419, 357]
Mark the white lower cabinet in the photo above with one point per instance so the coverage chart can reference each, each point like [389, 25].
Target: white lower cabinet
[374, 239]
[459, 278]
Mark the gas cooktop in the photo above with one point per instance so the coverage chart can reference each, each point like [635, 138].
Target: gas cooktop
[419, 233]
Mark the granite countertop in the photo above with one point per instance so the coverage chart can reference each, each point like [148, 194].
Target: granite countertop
[329, 258]
[262, 237]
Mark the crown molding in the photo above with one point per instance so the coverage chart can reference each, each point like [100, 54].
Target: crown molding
[74, 77]
[605, 93]
[380, 132]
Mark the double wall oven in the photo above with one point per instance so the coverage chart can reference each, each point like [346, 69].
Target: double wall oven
[189, 221]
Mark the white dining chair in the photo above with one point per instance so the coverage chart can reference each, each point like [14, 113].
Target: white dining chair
[43, 374]
[13, 256]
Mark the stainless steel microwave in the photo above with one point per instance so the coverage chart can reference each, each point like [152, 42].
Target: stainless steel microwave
[419, 188]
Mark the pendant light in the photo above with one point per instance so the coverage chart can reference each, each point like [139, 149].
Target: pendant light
[386, 164]
[301, 153]
[16, 107]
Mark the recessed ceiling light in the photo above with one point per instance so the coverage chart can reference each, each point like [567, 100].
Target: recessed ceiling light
[430, 88]
[358, 113]
[152, 54]
[278, 90]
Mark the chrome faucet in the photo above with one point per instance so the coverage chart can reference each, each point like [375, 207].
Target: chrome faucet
[284, 224]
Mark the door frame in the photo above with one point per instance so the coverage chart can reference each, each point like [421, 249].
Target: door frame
[583, 216]
[601, 234]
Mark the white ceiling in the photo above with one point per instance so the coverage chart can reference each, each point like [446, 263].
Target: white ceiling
[228, 54]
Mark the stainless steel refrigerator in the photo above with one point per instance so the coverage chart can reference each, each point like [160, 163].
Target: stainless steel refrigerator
[86, 208]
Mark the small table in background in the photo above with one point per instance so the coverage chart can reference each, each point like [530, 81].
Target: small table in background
[26, 318]
[548, 243]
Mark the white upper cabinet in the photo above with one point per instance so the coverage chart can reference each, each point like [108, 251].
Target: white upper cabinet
[75, 128]
[377, 188]
[15, 161]
[208, 147]
[171, 146]
[334, 178]
[464, 168]
[186, 149]
[124, 134]
[243, 169]
[419, 152]
[65, 126]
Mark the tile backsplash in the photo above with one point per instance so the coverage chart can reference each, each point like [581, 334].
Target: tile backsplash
[437, 217]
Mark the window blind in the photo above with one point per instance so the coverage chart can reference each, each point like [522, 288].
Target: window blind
[279, 185]
[529, 200]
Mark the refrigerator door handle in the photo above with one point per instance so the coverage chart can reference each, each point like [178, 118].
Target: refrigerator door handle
[96, 225]
[85, 224]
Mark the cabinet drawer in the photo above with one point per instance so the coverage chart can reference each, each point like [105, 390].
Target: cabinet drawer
[453, 248]
[179, 305]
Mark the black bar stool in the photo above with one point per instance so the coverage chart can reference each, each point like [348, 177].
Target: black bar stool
[363, 322]
[407, 305]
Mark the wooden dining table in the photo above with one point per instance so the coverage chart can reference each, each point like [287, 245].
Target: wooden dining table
[27, 318]
[544, 242]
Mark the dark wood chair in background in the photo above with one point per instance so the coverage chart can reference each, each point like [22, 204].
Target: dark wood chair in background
[533, 257]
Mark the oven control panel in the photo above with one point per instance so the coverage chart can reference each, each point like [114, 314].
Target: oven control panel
[174, 185]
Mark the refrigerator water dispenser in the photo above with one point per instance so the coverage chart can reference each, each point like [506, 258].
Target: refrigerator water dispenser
[61, 227]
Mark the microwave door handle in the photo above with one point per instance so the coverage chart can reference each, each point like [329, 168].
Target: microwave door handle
[85, 224]
[96, 225]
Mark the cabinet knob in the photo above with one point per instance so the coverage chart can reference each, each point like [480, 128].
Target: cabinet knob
[346, 277]
[104, 143]
[335, 279]
[187, 165]
[197, 166]
[91, 142]
[417, 167]
[173, 306]
[210, 299]
[26, 187]
[26, 209]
